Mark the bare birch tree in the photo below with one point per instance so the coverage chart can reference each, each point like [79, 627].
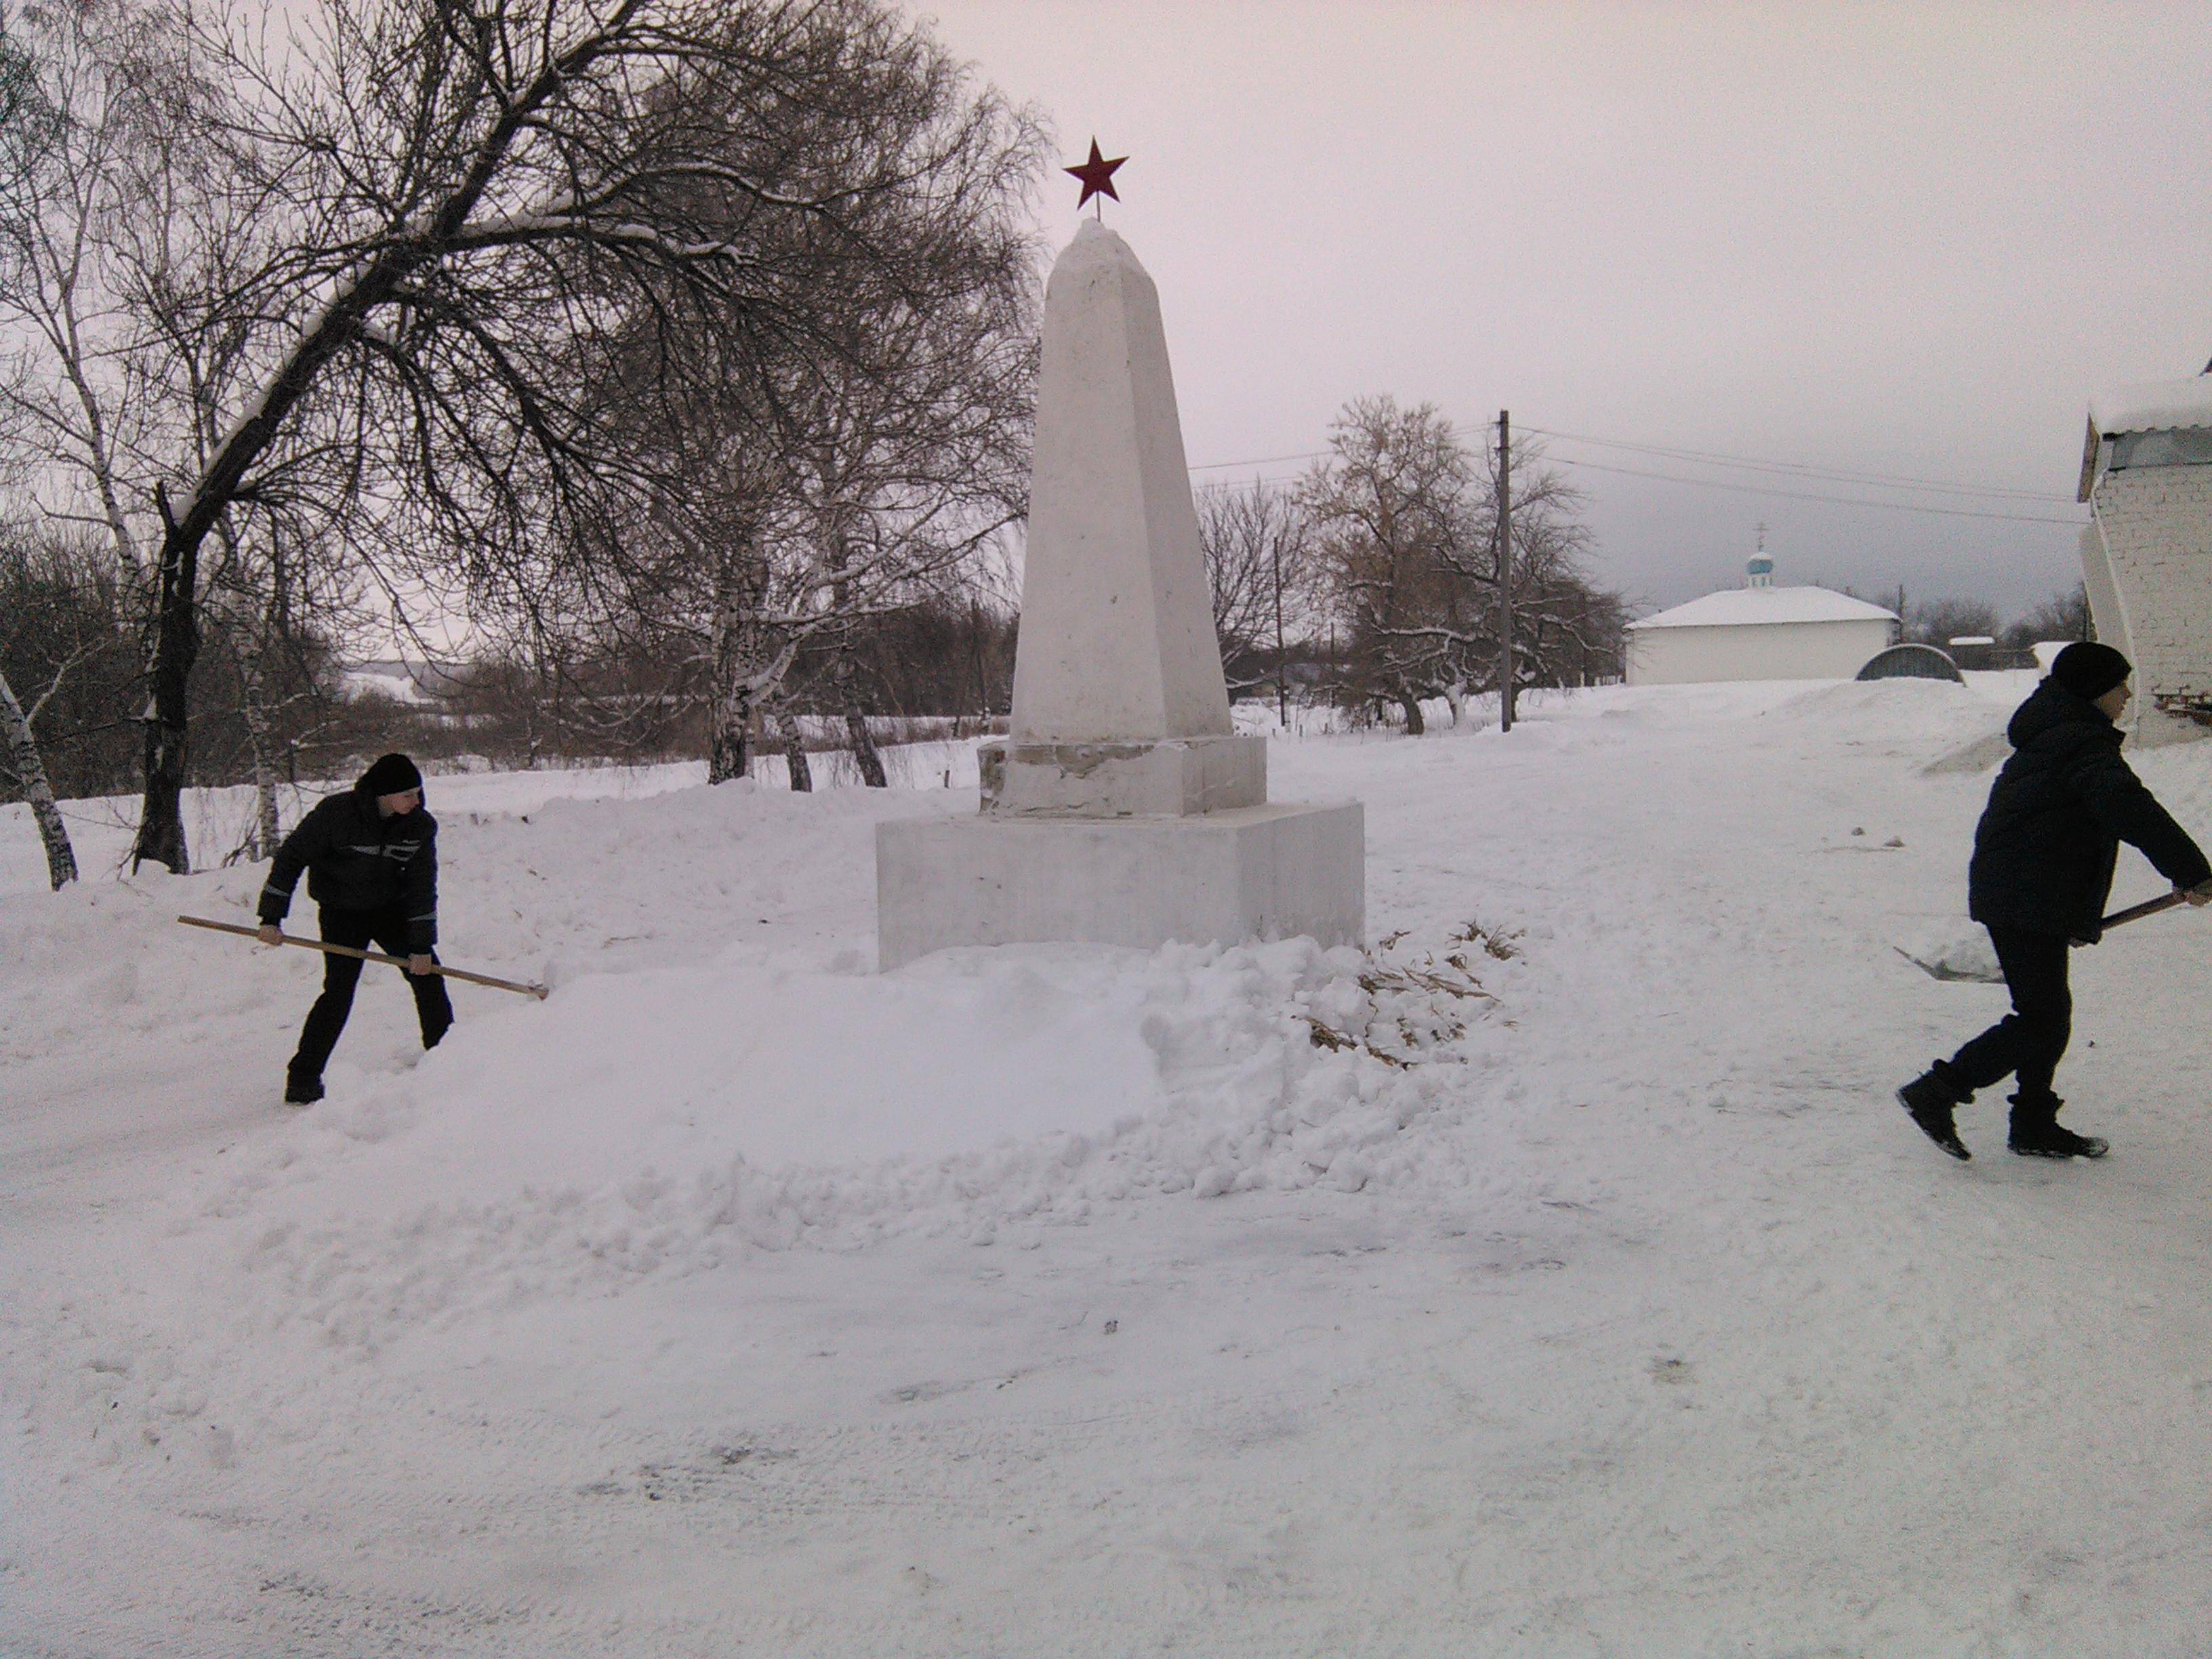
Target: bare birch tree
[57, 634]
[79, 95]
[18, 735]
[804, 485]
[75, 387]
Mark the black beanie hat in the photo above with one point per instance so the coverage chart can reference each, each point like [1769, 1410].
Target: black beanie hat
[392, 774]
[2089, 670]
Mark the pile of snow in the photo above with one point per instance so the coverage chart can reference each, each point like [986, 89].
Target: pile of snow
[687, 1115]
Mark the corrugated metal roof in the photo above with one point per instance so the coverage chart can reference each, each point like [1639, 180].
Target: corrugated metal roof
[2146, 406]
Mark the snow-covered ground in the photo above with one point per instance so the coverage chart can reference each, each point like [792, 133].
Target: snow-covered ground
[1564, 1284]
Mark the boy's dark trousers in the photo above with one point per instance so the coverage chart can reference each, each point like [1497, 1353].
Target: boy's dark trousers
[387, 931]
[2031, 1040]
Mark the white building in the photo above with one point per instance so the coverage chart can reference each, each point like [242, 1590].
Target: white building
[2146, 555]
[1759, 632]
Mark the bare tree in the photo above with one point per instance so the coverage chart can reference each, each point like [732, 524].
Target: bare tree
[131, 284]
[2060, 617]
[25, 133]
[1406, 544]
[464, 201]
[1392, 514]
[18, 736]
[1258, 569]
[1565, 628]
[24, 761]
[808, 485]
[77, 388]
[57, 631]
[911, 471]
[794, 749]
[1938, 621]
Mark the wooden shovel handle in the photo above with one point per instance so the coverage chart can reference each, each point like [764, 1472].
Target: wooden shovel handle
[328, 949]
[2147, 908]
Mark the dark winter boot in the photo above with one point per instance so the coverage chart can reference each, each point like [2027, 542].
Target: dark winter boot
[299, 1092]
[2037, 1133]
[1929, 1099]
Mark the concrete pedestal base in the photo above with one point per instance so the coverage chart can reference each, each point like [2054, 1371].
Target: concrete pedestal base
[1176, 776]
[1269, 871]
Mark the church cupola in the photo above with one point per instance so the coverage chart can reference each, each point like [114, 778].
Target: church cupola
[1760, 571]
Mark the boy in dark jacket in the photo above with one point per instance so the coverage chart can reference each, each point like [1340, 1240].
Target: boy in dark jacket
[371, 856]
[2043, 857]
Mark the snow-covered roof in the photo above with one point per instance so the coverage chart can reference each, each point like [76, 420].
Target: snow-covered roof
[2154, 406]
[401, 681]
[2146, 406]
[1740, 607]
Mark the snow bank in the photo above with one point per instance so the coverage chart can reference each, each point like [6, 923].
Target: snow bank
[1926, 721]
[683, 1116]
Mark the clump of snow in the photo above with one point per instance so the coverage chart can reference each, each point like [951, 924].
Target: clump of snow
[1955, 951]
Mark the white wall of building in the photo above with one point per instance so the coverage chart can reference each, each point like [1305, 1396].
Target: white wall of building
[2148, 559]
[1755, 651]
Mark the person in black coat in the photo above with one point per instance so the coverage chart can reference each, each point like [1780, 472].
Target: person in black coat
[371, 856]
[2043, 858]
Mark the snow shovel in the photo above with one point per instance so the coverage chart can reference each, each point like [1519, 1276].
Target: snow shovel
[1974, 962]
[538, 991]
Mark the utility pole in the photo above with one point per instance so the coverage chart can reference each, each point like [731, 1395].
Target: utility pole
[983, 685]
[1282, 669]
[1505, 674]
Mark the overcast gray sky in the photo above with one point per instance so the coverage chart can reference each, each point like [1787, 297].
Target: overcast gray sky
[1908, 241]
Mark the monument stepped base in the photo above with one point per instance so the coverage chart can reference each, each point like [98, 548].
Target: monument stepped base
[1267, 872]
[1105, 779]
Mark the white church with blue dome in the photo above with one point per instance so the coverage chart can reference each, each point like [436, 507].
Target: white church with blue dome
[1759, 632]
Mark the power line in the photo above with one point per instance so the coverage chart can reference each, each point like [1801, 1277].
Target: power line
[1806, 496]
[1232, 486]
[1261, 460]
[1745, 463]
[1837, 475]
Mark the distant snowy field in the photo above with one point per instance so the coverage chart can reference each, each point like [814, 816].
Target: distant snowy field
[1566, 1284]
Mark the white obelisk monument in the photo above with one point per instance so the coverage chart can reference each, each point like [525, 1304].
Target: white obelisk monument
[1123, 808]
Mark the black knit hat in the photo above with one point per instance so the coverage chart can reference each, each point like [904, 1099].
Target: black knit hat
[392, 774]
[2089, 670]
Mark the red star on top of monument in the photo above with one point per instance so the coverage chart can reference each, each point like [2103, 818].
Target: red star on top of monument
[1097, 176]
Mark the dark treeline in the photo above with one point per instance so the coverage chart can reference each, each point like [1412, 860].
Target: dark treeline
[1939, 621]
[72, 644]
[939, 667]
